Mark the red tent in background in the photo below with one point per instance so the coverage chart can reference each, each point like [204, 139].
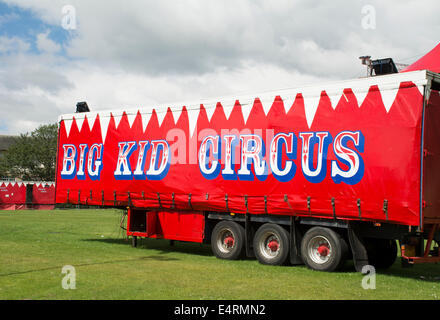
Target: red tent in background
[12, 196]
[430, 61]
[43, 195]
[27, 195]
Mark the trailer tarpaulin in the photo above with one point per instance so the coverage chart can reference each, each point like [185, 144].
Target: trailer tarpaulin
[346, 150]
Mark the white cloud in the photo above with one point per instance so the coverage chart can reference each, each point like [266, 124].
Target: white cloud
[12, 45]
[4, 18]
[45, 44]
[136, 53]
[20, 70]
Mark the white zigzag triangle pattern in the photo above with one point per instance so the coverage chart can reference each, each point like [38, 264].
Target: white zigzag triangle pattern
[310, 96]
[104, 121]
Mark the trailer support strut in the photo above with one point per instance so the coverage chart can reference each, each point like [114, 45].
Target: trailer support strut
[429, 256]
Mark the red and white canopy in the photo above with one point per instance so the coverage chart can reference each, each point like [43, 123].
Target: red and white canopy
[430, 61]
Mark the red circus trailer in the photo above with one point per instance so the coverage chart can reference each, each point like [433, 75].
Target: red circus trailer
[310, 175]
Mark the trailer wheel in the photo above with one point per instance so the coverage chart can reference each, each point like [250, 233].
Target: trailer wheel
[323, 249]
[271, 244]
[382, 253]
[227, 240]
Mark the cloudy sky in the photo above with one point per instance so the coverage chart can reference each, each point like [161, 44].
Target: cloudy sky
[133, 53]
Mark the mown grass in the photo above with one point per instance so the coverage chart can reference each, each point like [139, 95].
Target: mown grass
[35, 245]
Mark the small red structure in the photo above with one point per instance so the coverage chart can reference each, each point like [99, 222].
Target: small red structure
[27, 195]
[43, 195]
[12, 195]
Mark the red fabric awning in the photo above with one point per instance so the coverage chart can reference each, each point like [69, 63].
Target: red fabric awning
[430, 61]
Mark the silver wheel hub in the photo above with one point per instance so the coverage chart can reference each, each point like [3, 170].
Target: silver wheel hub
[270, 245]
[319, 249]
[225, 241]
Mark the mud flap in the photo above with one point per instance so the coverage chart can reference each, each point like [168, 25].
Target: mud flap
[360, 256]
[248, 237]
[295, 241]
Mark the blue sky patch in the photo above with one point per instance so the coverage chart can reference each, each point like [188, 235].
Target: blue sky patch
[26, 25]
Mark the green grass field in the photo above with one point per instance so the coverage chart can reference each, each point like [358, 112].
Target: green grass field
[35, 245]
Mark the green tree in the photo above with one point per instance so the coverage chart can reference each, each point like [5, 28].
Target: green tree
[33, 155]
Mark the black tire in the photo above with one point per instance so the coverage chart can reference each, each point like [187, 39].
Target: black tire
[323, 249]
[227, 240]
[271, 244]
[382, 253]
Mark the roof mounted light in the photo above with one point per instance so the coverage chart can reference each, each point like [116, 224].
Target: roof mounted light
[82, 107]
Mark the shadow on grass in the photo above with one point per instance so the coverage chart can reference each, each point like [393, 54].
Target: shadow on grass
[155, 258]
[422, 272]
[164, 246]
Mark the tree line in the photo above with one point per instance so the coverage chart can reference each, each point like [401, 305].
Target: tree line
[32, 156]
